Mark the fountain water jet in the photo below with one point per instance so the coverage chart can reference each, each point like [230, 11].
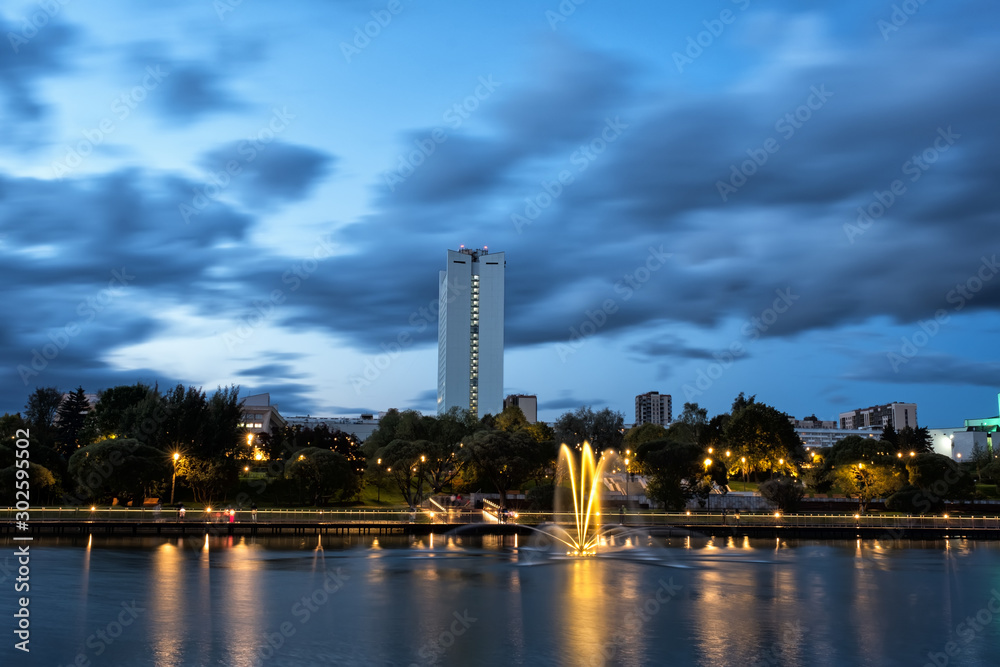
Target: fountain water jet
[585, 485]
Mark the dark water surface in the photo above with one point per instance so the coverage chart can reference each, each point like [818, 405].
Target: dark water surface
[494, 602]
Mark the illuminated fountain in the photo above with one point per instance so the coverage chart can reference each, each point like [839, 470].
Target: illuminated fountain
[585, 485]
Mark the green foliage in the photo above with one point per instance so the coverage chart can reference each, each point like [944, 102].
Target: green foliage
[785, 493]
[72, 413]
[42, 406]
[36, 479]
[911, 500]
[541, 498]
[119, 468]
[541, 432]
[676, 472]
[208, 478]
[602, 429]
[764, 436]
[869, 481]
[323, 473]
[940, 477]
[694, 416]
[506, 460]
[511, 419]
[643, 433]
[991, 472]
[401, 459]
[107, 420]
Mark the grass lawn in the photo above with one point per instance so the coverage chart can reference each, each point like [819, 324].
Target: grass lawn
[743, 486]
[988, 490]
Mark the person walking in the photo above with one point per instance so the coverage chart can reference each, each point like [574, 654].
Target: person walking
[180, 511]
[253, 512]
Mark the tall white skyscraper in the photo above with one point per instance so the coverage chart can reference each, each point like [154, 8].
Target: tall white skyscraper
[470, 332]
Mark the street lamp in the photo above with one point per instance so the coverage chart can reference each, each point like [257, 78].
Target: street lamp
[743, 461]
[173, 480]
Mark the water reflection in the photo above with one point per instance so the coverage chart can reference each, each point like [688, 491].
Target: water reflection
[167, 605]
[214, 600]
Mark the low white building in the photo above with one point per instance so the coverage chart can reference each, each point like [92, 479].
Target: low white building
[360, 427]
[957, 442]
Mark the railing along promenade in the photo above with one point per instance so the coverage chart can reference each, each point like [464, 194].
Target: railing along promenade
[700, 521]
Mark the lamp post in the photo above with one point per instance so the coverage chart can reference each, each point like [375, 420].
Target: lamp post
[420, 480]
[626, 479]
[173, 480]
[708, 464]
[378, 484]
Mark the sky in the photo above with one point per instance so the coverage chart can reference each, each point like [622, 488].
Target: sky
[793, 200]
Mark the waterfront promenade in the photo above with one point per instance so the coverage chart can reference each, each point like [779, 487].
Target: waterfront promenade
[147, 521]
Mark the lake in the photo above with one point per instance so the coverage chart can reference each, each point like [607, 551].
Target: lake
[497, 601]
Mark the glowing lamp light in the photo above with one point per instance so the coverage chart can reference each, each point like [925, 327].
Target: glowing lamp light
[93, 508]
[176, 456]
[708, 462]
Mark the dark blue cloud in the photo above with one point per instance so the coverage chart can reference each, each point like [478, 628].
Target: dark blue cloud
[29, 55]
[271, 172]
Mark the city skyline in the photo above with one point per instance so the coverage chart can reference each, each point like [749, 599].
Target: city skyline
[787, 202]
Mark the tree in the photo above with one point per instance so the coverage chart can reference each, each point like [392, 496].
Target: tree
[70, 418]
[692, 421]
[106, 419]
[603, 429]
[940, 477]
[890, 437]
[541, 432]
[223, 435]
[401, 459]
[980, 457]
[42, 406]
[765, 437]
[511, 419]
[911, 439]
[321, 436]
[121, 468]
[785, 493]
[208, 478]
[36, 480]
[10, 424]
[677, 472]
[641, 434]
[322, 473]
[185, 413]
[440, 464]
[869, 481]
[505, 459]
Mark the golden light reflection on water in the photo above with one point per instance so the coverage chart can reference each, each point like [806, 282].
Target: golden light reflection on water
[241, 589]
[166, 603]
[583, 604]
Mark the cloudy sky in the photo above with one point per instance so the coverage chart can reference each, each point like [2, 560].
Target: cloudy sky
[795, 200]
